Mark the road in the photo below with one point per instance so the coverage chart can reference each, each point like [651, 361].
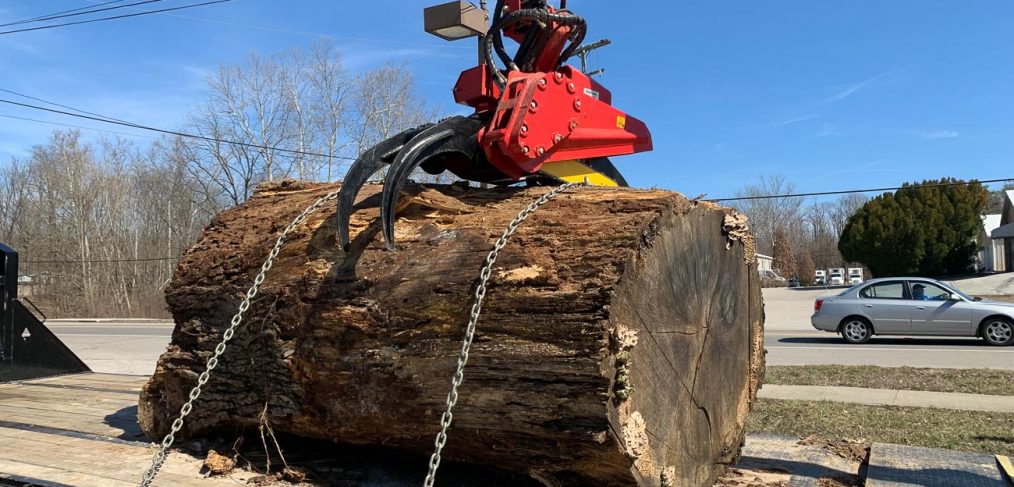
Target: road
[133, 347]
[790, 340]
[115, 347]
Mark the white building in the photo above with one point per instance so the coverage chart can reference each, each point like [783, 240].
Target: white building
[997, 252]
[764, 262]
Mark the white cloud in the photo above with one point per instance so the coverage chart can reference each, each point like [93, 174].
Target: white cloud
[938, 134]
[847, 91]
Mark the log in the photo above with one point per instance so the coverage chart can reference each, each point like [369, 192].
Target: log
[620, 343]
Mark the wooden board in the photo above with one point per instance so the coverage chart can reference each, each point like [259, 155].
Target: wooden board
[81, 430]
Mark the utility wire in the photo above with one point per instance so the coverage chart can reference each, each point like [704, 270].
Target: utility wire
[850, 191]
[33, 19]
[172, 132]
[62, 106]
[146, 12]
[81, 127]
[112, 261]
[60, 15]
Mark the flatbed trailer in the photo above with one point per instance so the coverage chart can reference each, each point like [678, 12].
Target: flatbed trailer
[81, 430]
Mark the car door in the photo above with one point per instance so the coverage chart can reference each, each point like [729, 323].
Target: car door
[937, 314]
[886, 303]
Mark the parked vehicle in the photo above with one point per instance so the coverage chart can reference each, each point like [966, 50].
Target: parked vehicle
[855, 275]
[820, 278]
[793, 281]
[836, 276]
[912, 306]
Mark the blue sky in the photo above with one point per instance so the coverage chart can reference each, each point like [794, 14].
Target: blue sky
[833, 95]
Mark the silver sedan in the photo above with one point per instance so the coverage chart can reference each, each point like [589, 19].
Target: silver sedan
[912, 306]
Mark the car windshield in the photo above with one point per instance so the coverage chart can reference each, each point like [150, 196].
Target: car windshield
[958, 292]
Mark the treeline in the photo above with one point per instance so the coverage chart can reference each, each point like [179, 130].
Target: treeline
[799, 233]
[99, 225]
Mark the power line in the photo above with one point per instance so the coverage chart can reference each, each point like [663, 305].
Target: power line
[111, 261]
[851, 191]
[26, 119]
[33, 19]
[172, 132]
[146, 12]
[66, 13]
[62, 106]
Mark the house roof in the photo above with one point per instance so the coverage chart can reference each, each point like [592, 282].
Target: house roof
[991, 222]
[762, 256]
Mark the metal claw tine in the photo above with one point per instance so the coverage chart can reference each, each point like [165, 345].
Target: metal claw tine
[365, 166]
[411, 156]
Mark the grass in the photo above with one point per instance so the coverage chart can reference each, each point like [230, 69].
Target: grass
[975, 381]
[936, 428]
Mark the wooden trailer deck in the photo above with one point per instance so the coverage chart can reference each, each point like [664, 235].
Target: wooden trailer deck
[81, 430]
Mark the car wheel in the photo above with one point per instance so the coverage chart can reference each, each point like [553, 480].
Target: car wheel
[998, 331]
[856, 330]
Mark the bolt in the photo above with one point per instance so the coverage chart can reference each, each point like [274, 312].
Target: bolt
[577, 104]
[559, 77]
[533, 105]
[573, 125]
[540, 150]
[571, 88]
[524, 149]
[557, 138]
[524, 128]
[542, 83]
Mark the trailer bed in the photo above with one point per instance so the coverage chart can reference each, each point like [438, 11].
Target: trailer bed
[81, 430]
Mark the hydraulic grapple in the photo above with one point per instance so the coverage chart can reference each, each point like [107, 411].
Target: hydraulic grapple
[536, 119]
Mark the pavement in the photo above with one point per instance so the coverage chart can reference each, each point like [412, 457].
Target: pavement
[778, 460]
[890, 397]
[115, 346]
[790, 340]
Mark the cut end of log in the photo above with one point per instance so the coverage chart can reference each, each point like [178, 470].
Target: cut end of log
[620, 341]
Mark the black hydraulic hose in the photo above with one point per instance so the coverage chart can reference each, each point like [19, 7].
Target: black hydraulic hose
[496, 32]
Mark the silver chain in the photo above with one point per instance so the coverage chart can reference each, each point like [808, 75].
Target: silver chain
[480, 294]
[160, 456]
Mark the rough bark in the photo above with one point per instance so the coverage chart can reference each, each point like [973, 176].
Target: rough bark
[620, 342]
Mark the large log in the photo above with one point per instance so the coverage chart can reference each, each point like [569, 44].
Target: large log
[620, 342]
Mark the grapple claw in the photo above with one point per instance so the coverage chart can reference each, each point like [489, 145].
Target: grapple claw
[365, 166]
[414, 154]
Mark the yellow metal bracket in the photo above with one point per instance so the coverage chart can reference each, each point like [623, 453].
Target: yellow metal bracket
[576, 172]
[1007, 467]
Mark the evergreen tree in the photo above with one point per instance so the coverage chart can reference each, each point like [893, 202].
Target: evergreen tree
[784, 262]
[920, 229]
[807, 269]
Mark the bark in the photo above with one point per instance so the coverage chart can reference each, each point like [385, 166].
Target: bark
[620, 341]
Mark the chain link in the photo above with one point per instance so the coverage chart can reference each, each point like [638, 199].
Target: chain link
[480, 294]
[160, 456]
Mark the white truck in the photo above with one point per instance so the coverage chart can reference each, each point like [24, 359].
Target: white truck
[820, 277]
[856, 275]
[836, 276]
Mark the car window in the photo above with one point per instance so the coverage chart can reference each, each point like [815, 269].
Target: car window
[884, 290]
[925, 291]
[850, 289]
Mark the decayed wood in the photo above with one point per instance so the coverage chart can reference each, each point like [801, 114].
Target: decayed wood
[620, 342]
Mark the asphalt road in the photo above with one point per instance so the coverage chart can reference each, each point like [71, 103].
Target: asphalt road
[115, 347]
[133, 347]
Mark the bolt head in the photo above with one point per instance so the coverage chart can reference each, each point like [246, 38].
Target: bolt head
[577, 105]
[559, 76]
[533, 105]
[524, 150]
[524, 128]
[557, 138]
[571, 88]
[540, 151]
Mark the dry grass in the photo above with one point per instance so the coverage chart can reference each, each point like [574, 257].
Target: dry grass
[974, 381]
[935, 428]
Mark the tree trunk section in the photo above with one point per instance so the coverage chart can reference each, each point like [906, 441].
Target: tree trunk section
[620, 341]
